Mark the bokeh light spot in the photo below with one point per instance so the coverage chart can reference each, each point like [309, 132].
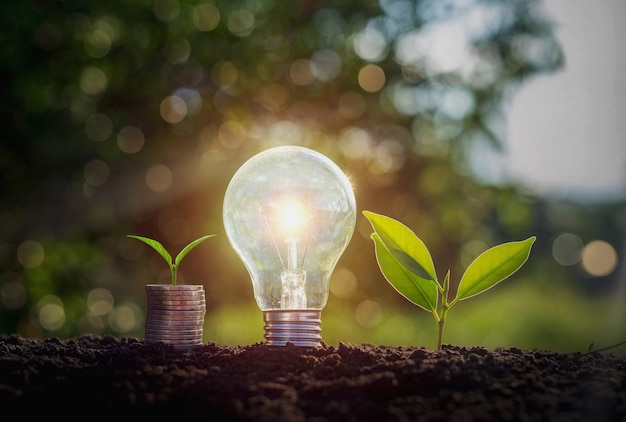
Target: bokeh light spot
[456, 103]
[387, 157]
[93, 81]
[231, 134]
[159, 178]
[599, 258]
[567, 248]
[356, 143]
[369, 313]
[130, 139]
[98, 43]
[326, 65]
[80, 104]
[205, 17]
[273, 96]
[100, 301]
[370, 44]
[125, 318]
[343, 283]
[50, 312]
[241, 23]
[371, 78]
[192, 99]
[173, 109]
[30, 254]
[98, 127]
[224, 74]
[301, 72]
[13, 295]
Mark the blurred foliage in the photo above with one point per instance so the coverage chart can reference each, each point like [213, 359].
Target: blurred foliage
[131, 117]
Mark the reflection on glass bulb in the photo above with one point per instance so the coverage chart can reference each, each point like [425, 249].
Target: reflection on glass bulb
[289, 213]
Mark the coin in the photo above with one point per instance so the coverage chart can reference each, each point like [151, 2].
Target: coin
[155, 288]
[156, 319]
[173, 325]
[195, 311]
[176, 341]
[180, 338]
[198, 295]
[187, 302]
[174, 330]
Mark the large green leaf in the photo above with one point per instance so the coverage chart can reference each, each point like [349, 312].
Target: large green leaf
[417, 290]
[404, 245]
[493, 266]
[156, 246]
[189, 247]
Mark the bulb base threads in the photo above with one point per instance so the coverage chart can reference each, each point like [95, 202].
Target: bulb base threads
[300, 327]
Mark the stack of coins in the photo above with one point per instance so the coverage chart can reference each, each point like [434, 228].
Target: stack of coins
[175, 314]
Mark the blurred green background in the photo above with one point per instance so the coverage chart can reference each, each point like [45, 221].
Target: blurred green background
[131, 117]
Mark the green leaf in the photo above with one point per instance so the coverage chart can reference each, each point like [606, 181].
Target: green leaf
[493, 266]
[419, 291]
[404, 245]
[156, 246]
[189, 247]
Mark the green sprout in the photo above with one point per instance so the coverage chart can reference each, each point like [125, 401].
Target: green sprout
[173, 264]
[407, 265]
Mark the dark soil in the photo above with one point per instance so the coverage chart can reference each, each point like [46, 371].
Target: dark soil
[111, 377]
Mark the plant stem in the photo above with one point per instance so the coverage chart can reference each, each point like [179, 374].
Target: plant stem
[440, 336]
[173, 268]
[444, 310]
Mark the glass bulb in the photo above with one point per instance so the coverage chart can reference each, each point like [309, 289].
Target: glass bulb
[289, 213]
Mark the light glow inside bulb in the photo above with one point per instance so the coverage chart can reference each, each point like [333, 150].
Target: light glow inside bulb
[291, 217]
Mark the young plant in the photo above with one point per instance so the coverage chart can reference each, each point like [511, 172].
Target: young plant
[407, 265]
[173, 264]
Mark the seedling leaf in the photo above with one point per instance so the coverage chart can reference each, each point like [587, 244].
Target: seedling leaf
[406, 248]
[420, 291]
[189, 247]
[156, 246]
[493, 266]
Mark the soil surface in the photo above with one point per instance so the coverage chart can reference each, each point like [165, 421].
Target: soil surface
[111, 377]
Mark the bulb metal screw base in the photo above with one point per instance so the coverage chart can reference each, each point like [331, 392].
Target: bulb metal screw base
[300, 327]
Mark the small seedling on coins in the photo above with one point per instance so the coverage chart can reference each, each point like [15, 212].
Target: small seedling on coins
[173, 264]
[407, 265]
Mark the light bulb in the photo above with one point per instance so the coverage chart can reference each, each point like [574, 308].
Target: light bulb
[289, 213]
